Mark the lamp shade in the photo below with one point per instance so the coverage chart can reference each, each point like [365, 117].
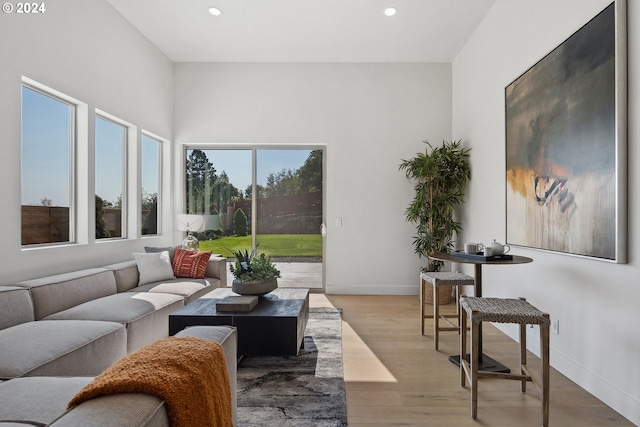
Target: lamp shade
[190, 222]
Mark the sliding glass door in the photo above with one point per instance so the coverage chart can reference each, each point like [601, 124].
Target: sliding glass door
[289, 213]
[268, 197]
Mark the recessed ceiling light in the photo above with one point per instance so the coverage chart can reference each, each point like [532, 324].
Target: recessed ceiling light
[215, 11]
[390, 11]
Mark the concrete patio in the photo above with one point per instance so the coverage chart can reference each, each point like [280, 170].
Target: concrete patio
[294, 275]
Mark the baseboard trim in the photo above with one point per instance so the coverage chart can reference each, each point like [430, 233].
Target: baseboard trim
[371, 290]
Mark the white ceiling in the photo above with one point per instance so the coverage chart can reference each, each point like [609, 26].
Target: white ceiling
[306, 30]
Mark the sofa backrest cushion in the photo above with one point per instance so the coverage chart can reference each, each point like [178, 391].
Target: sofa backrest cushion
[170, 249]
[57, 293]
[126, 275]
[153, 267]
[15, 306]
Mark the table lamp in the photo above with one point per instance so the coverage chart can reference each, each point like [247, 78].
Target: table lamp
[190, 223]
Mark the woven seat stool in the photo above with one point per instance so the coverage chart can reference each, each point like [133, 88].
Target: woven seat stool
[441, 280]
[503, 310]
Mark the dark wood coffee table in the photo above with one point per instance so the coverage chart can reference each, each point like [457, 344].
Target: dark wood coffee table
[275, 326]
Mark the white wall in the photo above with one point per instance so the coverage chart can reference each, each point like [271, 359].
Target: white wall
[86, 50]
[369, 116]
[595, 302]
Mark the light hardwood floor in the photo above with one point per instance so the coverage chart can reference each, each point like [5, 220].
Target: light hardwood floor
[393, 377]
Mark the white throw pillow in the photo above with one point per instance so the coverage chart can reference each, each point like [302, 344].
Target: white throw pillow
[153, 267]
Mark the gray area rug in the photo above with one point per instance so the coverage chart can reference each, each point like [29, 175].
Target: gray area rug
[297, 391]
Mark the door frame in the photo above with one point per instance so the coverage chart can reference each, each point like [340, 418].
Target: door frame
[181, 193]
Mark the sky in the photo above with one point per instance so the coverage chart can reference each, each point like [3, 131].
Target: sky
[150, 165]
[237, 163]
[46, 129]
[109, 149]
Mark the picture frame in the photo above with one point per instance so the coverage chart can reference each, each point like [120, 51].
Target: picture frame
[566, 145]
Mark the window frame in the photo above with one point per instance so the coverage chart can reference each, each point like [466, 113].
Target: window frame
[128, 135]
[77, 109]
[159, 201]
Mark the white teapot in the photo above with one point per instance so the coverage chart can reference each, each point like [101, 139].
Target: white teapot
[498, 248]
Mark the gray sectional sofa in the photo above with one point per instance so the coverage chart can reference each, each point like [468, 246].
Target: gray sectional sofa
[58, 332]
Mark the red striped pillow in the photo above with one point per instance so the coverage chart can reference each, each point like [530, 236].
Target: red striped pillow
[190, 264]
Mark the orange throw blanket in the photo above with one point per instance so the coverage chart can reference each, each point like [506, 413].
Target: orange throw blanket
[188, 373]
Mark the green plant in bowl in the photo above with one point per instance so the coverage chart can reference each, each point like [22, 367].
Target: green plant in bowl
[255, 274]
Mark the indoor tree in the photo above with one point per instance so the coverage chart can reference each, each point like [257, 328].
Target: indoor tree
[440, 175]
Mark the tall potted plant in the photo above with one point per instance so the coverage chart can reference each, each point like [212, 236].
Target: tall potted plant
[440, 175]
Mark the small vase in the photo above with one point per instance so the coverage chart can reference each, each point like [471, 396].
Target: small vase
[254, 288]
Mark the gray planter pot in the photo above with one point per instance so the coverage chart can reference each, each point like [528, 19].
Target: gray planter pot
[254, 288]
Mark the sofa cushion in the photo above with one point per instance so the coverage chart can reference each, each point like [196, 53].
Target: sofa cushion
[57, 293]
[217, 268]
[170, 249]
[126, 274]
[37, 400]
[15, 306]
[145, 314]
[69, 347]
[190, 264]
[137, 409]
[153, 267]
[125, 410]
[189, 289]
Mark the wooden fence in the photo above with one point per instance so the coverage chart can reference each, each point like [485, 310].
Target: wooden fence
[294, 214]
[44, 224]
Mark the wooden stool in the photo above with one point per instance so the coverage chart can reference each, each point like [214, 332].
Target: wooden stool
[438, 280]
[503, 310]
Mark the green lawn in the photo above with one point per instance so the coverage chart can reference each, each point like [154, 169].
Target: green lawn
[274, 245]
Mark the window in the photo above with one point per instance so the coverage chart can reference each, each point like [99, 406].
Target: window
[48, 142]
[110, 143]
[151, 158]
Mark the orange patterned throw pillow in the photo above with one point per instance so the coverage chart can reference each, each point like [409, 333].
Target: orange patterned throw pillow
[190, 264]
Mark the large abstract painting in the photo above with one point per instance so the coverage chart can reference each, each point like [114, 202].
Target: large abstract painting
[566, 145]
